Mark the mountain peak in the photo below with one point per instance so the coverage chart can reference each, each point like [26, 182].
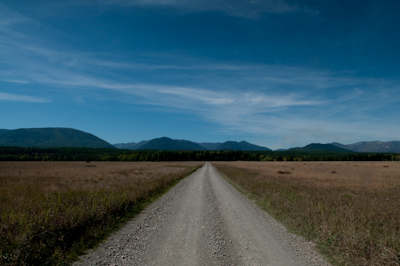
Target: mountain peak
[319, 147]
[165, 143]
[242, 146]
[51, 138]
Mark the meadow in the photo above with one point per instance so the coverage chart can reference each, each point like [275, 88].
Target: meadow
[350, 210]
[50, 212]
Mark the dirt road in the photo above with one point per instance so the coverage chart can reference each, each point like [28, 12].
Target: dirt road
[203, 221]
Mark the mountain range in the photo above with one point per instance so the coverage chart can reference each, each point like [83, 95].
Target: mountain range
[170, 144]
[320, 147]
[68, 137]
[50, 138]
[165, 143]
[371, 146]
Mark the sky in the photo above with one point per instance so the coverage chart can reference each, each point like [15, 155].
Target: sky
[276, 73]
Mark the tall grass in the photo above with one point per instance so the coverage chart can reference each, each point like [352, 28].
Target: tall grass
[51, 212]
[352, 211]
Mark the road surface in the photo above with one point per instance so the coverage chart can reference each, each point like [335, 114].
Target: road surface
[203, 220]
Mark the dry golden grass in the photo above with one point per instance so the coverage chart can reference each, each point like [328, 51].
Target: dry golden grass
[350, 209]
[51, 211]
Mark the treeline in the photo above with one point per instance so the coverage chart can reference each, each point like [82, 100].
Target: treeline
[59, 154]
[99, 154]
[254, 156]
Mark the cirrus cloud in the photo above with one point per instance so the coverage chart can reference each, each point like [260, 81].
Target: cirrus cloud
[21, 98]
[251, 9]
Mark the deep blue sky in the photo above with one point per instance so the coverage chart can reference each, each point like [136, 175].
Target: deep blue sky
[275, 73]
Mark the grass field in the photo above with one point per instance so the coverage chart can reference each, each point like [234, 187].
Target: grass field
[52, 211]
[350, 209]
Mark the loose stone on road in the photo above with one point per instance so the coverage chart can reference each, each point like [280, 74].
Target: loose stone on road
[203, 220]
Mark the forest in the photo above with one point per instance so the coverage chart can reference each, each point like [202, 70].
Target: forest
[105, 154]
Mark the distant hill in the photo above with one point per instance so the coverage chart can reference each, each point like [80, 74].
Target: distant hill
[165, 143]
[139, 145]
[190, 144]
[127, 146]
[240, 146]
[3, 131]
[210, 145]
[51, 138]
[131, 145]
[372, 146]
[319, 147]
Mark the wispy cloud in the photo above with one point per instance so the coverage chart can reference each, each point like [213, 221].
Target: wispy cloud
[252, 9]
[10, 18]
[18, 81]
[289, 103]
[21, 98]
[255, 98]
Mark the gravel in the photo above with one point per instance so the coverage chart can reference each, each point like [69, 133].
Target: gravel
[203, 220]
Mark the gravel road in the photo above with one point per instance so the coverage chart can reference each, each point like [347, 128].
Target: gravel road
[203, 220]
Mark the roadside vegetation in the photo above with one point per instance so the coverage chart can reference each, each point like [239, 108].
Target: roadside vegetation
[51, 212]
[351, 210]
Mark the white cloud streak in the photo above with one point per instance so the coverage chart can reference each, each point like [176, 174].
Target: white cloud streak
[11, 19]
[21, 98]
[260, 108]
[290, 103]
[251, 9]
